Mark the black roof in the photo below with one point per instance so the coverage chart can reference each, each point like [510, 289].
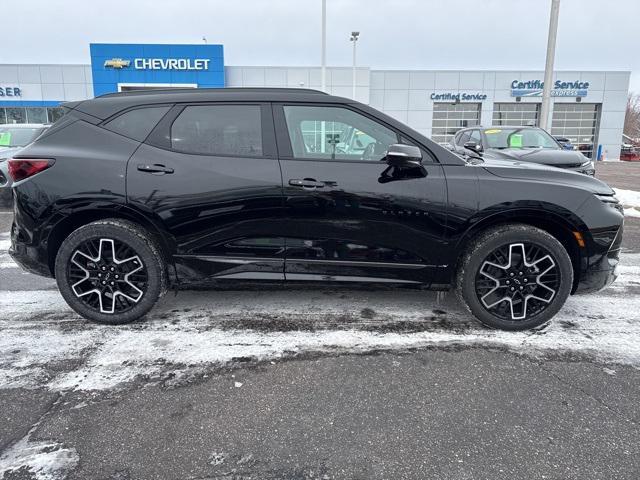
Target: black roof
[107, 105]
[207, 91]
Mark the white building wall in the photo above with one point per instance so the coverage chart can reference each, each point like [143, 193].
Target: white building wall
[405, 95]
[49, 82]
[339, 79]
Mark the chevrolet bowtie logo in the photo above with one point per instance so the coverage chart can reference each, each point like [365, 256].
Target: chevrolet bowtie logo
[117, 63]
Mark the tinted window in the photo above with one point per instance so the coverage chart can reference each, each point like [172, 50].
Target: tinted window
[218, 130]
[138, 123]
[336, 133]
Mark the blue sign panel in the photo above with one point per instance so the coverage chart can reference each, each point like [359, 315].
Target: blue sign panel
[533, 88]
[139, 65]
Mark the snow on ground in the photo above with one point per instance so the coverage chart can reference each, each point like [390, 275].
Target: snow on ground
[5, 260]
[45, 344]
[630, 199]
[43, 460]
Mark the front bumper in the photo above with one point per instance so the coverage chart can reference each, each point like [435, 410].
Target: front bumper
[601, 269]
[599, 277]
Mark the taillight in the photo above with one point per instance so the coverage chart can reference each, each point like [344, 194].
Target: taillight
[21, 168]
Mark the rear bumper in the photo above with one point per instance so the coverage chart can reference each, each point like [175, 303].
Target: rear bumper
[30, 258]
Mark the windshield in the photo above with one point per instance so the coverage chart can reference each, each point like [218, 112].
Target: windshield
[519, 138]
[17, 137]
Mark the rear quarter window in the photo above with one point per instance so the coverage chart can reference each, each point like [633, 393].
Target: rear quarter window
[138, 123]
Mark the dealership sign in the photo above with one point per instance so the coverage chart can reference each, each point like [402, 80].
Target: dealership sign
[533, 88]
[458, 97]
[10, 92]
[159, 63]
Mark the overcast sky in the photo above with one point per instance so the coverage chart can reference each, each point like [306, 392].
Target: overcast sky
[400, 34]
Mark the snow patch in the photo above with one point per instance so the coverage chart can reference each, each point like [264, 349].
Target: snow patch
[630, 200]
[43, 343]
[38, 460]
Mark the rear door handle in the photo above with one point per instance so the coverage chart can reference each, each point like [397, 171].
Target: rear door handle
[156, 169]
[306, 183]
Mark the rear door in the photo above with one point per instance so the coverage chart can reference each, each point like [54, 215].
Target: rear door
[209, 174]
[350, 216]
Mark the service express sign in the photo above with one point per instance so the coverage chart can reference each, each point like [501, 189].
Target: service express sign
[533, 88]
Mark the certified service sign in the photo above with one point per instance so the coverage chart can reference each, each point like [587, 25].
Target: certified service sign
[533, 88]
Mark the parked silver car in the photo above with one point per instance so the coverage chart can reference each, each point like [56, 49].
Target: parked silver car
[15, 136]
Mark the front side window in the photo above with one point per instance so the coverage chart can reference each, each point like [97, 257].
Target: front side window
[502, 138]
[336, 133]
[218, 130]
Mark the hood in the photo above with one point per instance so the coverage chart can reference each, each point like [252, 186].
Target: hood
[545, 174]
[545, 156]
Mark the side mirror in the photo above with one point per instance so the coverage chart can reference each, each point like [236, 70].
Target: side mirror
[400, 155]
[473, 146]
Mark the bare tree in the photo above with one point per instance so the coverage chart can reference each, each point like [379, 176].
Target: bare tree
[632, 117]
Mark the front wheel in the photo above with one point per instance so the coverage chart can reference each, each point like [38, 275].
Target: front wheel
[515, 277]
[110, 271]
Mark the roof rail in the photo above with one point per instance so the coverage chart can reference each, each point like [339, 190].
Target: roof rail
[154, 91]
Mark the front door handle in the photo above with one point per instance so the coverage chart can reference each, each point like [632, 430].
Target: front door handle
[306, 183]
[156, 169]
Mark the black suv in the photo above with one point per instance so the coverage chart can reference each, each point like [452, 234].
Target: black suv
[132, 193]
[524, 144]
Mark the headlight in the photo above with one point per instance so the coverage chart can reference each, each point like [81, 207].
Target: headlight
[587, 163]
[611, 201]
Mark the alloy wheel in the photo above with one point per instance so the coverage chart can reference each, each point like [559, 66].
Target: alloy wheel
[517, 281]
[107, 275]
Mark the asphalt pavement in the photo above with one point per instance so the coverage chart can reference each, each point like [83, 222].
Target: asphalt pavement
[319, 384]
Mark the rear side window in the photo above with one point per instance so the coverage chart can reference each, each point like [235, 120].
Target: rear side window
[137, 123]
[218, 130]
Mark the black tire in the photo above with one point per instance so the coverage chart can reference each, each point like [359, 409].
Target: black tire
[482, 280]
[143, 270]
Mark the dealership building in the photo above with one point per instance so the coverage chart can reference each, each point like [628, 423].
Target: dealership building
[588, 107]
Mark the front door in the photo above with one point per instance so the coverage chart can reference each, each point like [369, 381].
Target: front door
[209, 174]
[350, 216]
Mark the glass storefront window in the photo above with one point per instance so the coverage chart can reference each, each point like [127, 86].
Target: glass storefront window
[16, 115]
[30, 114]
[448, 118]
[36, 115]
[55, 113]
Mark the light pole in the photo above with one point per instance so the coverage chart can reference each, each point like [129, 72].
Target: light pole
[323, 55]
[548, 67]
[354, 39]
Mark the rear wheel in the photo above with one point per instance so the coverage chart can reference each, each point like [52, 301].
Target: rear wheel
[515, 277]
[110, 271]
